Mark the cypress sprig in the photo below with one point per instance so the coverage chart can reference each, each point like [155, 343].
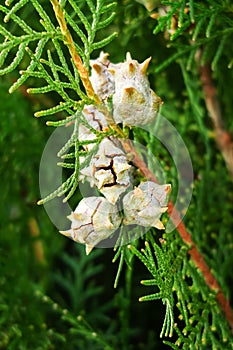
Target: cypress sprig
[160, 266]
[71, 183]
[34, 43]
[46, 50]
[196, 25]
[61, 190]
[181, 286]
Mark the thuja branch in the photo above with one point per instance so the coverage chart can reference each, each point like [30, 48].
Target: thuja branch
[223, 137]
[195, 255]
[82, 70]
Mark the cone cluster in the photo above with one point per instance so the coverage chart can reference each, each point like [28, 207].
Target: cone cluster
[133, 103]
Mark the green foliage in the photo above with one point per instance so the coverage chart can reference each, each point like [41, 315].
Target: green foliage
[197, 26]
[183, 292]
[65, 300]
[43, 43]
[44, 46]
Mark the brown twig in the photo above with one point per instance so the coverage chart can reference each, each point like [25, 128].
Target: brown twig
[223, 138]
[196, 256]
[82, 70]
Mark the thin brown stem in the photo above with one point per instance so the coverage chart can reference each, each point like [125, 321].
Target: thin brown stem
[195, 255]
[68, 40]
[223, 138]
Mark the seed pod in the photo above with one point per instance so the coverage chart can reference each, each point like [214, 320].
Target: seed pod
[134, 103]
[108, 170]
[96, 120]
[94, 220]
[145, 204]
[101, 79]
